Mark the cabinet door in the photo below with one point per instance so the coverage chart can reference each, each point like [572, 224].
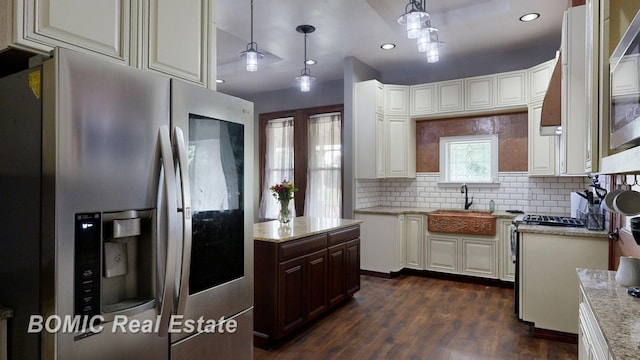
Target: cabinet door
[397, 162]
[479, 257]
[539, 77]
[396, 100]
[442, 253]
[511, 89]
[400, 246]
[93, 26]
[414, 241]
[542, 149]
[479, 92]
[337, 274]
[380, 149]
[422, 99]
[507, 266]
[292, 304]
[176, 34]
[316, 287]
[352, 267]
[450, 96]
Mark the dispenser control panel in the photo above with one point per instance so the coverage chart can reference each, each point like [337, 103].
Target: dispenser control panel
[87, 264]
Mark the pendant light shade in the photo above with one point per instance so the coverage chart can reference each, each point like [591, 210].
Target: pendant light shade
[252, 54]
[413, 18]
[305, 77]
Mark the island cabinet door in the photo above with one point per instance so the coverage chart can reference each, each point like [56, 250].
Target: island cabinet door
[337, 262]
[291, 304]
[352, 277]
[317, 284]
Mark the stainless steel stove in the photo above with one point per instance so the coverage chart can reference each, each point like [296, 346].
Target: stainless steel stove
[552, 220]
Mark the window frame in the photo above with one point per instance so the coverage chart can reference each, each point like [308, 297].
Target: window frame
[445, 141]
[300, 148]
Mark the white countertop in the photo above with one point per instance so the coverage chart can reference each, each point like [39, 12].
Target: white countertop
[299, 227]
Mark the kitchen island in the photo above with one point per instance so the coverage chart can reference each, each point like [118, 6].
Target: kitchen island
[301, 270]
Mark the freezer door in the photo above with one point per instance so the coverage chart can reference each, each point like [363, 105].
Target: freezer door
[100, 154]
[218, 133]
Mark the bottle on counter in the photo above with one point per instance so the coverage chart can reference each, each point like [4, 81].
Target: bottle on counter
[492, 206]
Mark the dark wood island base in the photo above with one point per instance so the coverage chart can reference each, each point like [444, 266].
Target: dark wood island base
[303, 276]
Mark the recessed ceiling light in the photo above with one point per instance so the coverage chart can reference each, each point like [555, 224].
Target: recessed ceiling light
[529, 17]
[219, 81]
[387, 46]
[310, 62]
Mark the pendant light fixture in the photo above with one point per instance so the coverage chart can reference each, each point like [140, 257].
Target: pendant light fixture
[418, 23]
[305, 77]
[414, 16]
[252, 54]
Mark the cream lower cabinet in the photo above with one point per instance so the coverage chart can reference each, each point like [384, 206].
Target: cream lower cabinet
[414, 241]
[548, 287]
[462, 254]
[507, 264]
[382, 248]
[591, 342]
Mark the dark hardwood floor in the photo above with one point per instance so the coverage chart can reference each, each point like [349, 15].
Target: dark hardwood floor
[413, 317]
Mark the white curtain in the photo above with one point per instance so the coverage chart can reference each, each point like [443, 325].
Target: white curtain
[324, 183]
[278, 165]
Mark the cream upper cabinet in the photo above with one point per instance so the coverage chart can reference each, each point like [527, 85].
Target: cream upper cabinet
[392, 153]
[172, 38]
[573, 104]
[511, 89]
[175, 37]
[379, 97]
[542, 149]
[94, 26]
[479, 92]
[539, 77]
[396, 100]
[414, 240]
[422, 99]
[450, 96]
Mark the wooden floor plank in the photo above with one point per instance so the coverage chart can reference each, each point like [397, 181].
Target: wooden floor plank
[413, 317]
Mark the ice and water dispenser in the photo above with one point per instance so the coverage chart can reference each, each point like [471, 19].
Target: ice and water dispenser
[114, 263]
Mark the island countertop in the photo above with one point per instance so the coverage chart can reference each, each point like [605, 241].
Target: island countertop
[299, 227]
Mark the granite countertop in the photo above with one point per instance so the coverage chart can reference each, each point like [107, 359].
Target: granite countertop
[299, 227]
[560, 230]
[5, 312]
[392, 210]
[617, 313]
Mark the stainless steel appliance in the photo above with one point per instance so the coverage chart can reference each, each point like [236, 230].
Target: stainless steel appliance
[624, 94]
[514, 240]
[126, 200]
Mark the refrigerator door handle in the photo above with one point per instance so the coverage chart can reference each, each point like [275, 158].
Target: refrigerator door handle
[171, 251]
[181, 156]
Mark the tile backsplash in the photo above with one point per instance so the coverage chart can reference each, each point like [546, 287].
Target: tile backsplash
[539, 195]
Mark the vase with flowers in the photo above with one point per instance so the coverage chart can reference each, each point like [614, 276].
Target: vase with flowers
[283, 193]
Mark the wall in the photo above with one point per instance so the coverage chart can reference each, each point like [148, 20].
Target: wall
[512, 130]
[541, 195]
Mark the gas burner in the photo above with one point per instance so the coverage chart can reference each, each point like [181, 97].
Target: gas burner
[552, 221]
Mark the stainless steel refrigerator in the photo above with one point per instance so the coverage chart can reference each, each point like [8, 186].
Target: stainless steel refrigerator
[126, 214]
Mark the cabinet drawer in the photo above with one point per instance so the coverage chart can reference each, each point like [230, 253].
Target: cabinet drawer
[343, 235]
[295, 248]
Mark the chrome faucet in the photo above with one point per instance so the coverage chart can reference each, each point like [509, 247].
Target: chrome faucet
[467, 203]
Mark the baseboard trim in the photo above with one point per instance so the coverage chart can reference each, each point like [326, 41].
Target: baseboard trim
[458, 277]
[376, 274]
[555, 335]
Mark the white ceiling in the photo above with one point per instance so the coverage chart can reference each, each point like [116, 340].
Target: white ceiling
[357, 28]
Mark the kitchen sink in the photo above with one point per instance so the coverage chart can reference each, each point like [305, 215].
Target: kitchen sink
[461, 222]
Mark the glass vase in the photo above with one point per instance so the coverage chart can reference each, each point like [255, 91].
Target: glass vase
[284, 215]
